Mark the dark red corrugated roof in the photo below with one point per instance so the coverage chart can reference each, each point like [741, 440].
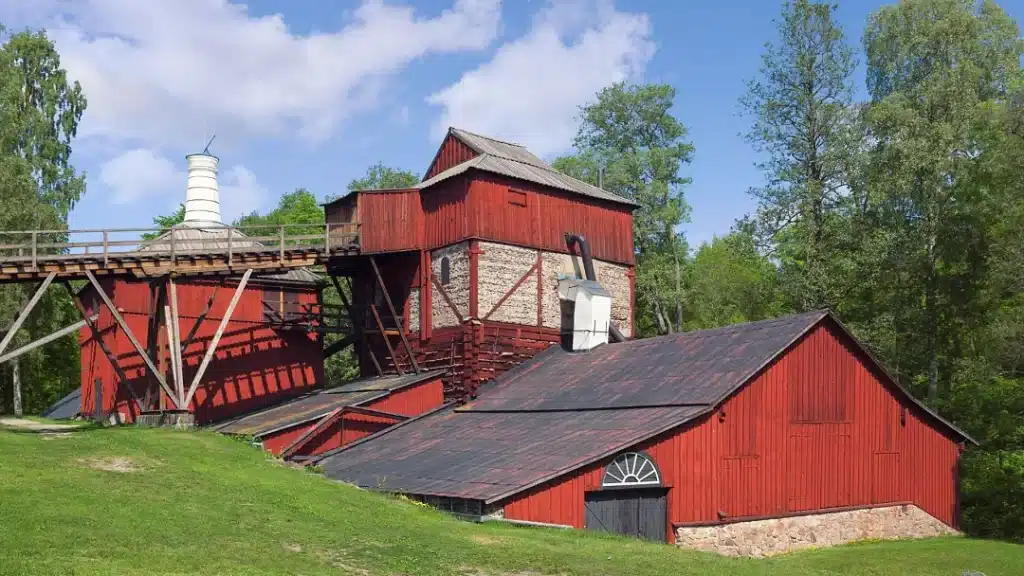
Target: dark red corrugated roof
[561, 411]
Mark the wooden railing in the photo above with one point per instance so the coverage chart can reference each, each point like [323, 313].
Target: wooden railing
[33, 247]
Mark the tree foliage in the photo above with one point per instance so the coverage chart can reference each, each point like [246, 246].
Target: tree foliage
[39, 115]
[631, 137]
[381, 177]
[803, 122]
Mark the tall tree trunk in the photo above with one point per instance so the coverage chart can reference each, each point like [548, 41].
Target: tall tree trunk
[932, 323]
[16, 384]
[679, 299]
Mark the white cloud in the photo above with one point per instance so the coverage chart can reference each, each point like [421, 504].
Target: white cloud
[140, 173]
[530, 92]
[168, 72]
[146, 175]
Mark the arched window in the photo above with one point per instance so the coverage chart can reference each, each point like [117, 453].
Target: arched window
[631, 469]
[446, 271]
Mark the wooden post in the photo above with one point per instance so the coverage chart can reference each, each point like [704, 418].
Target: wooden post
[35, 250]
[383, 334]
[217, 336]
[282, 243]
[394, 314]
[176, 333]
[357, 325]
[16, 384]
[20, 318]
[106, 252]
[172, 356]
[128, 332]
[327, 239]
[229, 246]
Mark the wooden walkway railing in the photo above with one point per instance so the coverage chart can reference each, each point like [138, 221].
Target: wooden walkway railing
[28, 255]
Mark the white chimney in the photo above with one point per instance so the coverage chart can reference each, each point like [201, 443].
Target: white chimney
[202, 200]
[586, 313]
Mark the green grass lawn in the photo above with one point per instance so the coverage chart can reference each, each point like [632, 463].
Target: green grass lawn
[142, 501]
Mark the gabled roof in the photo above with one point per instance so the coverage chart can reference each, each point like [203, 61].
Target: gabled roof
[561, 411]
[65, 408]
[515, 161]
[315, 405]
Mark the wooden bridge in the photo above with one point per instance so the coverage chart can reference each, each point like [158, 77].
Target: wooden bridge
[31, 256]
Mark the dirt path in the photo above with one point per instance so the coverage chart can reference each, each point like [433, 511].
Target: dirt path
[22, 424]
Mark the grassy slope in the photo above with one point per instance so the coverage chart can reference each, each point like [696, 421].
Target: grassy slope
[206, 504]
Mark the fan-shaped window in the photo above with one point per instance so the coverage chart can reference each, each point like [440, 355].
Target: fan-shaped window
[446, 271]
[631, 469]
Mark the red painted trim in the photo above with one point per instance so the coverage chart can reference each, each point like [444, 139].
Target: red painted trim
[738, 520]
[540, 288]
[474, 278]
[631, 274]
[511, 290]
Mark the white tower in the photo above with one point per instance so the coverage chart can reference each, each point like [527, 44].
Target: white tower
[202, 199]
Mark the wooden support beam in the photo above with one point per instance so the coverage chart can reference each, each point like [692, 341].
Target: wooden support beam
[217, 336]
[357, 324]
[98, 337]
[156, 297]
[338, 346]
[23, 314]
[175, 322]
[128, 332]
[444, 296]
[46, 339]
[172, 357]
[387, 342]
[394, 314]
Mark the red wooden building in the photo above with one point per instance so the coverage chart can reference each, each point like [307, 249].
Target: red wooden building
[258, 359]
[471, 258]
[654, 437]
[325, 420]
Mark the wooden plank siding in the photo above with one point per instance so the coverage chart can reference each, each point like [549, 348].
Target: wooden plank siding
[451, 153]
[391, 221]
[758, 456]
[254, 366]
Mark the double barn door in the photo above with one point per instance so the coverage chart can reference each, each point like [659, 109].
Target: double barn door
[640, 513]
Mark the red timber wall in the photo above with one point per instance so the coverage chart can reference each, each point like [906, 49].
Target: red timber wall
[392, 221]
[254, 365]
[492, 207]
[451, 153]
[409, 401]
[817, 429]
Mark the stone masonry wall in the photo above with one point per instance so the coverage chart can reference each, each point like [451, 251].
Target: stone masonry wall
[500, 267]
[414, 310]
[760, 538]
[458, 285]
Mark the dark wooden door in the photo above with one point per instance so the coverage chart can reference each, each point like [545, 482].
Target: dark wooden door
[641, 513]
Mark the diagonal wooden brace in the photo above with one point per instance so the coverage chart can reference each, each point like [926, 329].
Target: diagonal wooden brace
[20, 318]
[46, 339]
[394, 314]
[131, 337]
[216, 337]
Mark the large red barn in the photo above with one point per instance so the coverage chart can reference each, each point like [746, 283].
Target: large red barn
[748, 439]
[472, 255]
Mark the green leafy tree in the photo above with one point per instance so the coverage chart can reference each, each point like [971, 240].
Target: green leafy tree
[381, 177]
[165, 223]
[804, 123]
[730, 281]
[631, 137]
[935, 70]
[39, 115]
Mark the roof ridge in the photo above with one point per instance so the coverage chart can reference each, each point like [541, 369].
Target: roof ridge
[454, 130]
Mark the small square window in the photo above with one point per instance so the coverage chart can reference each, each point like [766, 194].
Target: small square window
[516, 197]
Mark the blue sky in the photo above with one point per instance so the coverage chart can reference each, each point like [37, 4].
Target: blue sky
[310, 93]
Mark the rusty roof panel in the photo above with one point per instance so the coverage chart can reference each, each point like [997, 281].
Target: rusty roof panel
[690, 368]
[485, 456]
[320, 403]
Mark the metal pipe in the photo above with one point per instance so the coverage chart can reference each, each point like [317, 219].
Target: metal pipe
[588, 269]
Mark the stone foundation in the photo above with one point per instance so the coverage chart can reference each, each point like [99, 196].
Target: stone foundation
[760, 538]
[181, 420]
